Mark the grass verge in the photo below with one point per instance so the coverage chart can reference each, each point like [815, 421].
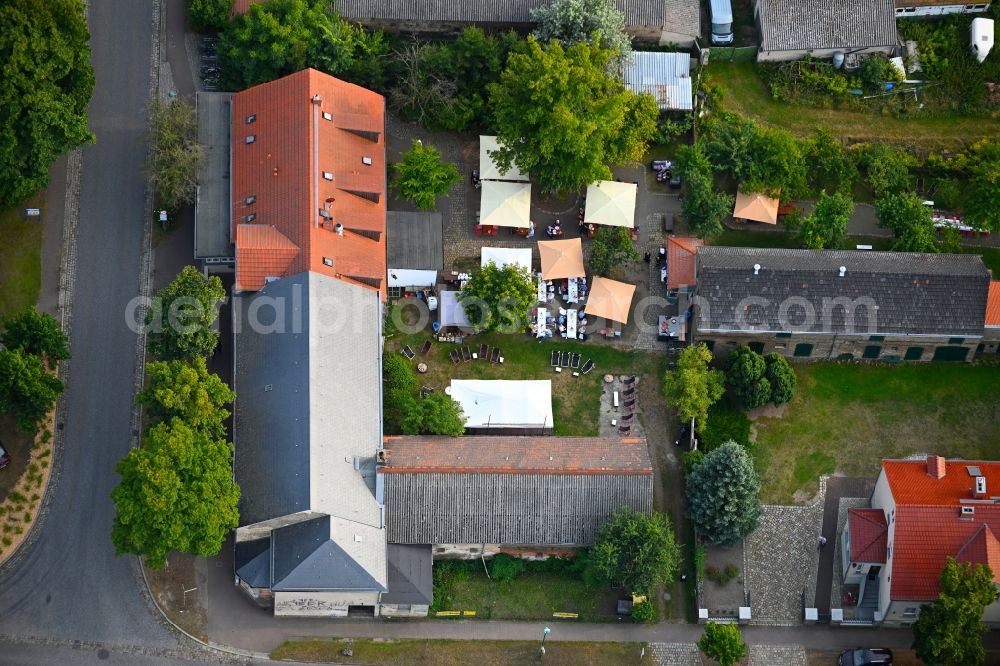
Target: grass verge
[21, 256]
[845, 418]
[454, 652]
[546, 587]
[575, 400]
[747, 95]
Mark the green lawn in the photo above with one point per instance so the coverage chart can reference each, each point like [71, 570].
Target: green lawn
[575, 400]
[845, 418]
[746, 94]
[20, 256]
[547, 587]
[414, 652]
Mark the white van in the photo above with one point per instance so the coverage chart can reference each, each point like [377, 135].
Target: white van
[722, 21]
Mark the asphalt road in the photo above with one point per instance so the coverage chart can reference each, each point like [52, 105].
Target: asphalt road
[70, 585]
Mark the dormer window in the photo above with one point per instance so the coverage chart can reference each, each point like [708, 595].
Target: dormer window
[328, 175]
[327, 115]
[251, 118]
[250, 199]
[251, 138]
[250, 218]
[366, 160]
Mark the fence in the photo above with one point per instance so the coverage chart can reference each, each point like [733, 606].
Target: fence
[733, 53]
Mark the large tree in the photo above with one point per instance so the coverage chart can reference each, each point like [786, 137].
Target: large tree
[723, 643]
[982, 208]
[887, 168]
[36, 333]
[694, 386]
[637, 550]
[781, 377]
[611, 247]
[722, 493]
[830, 165]
[498, 297]
[949, 629]
[422, 177]
[745, 370]
[27, 390]
[563, 119]
[761, 159]
[176, 158]
[209, 15]
[826, 225]
[598, 22]
[279, 37]
[176, 493]
[909, 220]
[188, 391]
[181, 317]
[434, 414]
[704, 208]
[45, 84]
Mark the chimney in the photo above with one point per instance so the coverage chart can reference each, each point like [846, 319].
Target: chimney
[936, 467]
[382, 457]
[339, 228]
[980, 491]
[756, 269]
[843, 271]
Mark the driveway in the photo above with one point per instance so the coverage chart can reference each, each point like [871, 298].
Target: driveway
[68, 584]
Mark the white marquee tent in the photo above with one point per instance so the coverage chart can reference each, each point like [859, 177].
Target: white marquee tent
[611, 203]
[504, 403]
[505, 204]
[488, 169]
[452, 313]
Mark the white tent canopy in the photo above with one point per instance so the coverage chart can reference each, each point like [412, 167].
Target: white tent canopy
[452, 313]
[505, 204]
[504, 403]
[488, 169]
[501, 256]
[611, 203]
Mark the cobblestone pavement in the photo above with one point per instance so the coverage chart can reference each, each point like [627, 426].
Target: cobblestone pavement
[836, 588]
[687, 654]
[609, 412]
[782, 559]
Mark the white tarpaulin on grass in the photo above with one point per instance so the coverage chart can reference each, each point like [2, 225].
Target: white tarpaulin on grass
[611, 203]
[501, 256]
[489, 403]
[488, 168]
[505, 204]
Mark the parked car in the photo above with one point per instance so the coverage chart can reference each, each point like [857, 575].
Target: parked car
[866, 657]
[4, 457]
[661, 165]
[721, 12]
[675, 181]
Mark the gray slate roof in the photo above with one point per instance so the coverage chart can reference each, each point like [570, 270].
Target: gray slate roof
[414, 241]
[789, 25]
[640, 13]
[925, 294]
[410, 579]
[513, 509]
[303, 557]
[212, 214]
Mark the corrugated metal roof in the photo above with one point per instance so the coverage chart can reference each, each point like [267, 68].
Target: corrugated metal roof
[792, 25]
[665, 76]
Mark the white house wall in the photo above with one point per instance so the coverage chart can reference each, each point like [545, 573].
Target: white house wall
[882, 499]
[320, 604]
[910, 11]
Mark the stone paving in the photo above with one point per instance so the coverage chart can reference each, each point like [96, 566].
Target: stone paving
[836, 588]
[781, 560]
[608, 411]
[723, 600]
[687, 654]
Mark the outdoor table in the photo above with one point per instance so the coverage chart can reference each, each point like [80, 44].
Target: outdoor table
[572, 291]
[421, 368]
[671, 327]
[571, 324]
[540, 321]
[542, 290]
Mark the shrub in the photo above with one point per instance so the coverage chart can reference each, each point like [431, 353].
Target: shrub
[692, 459]
[46, 436]
[506, 567]
[725, 424]
[699, 563]
[732, 571]
[722, 576]
[713, 573]
[645, 612]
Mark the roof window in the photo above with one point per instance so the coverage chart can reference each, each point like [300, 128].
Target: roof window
[251, 138]
[366, 160]
[328, 175]
[327, 261]
[327, 115]
[250, 218]
[250, 199]
[251, 118]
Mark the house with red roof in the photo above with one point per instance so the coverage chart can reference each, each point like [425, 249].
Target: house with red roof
[922, 512]
[308, 185]
[681, 262]
[991, 334]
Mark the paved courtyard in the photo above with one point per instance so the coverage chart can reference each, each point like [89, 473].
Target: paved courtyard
[782, 559]
[724, 600]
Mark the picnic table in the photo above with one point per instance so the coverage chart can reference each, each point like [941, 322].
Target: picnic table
[542, 290]
[542, 314]
[572, 291]
[571, 316]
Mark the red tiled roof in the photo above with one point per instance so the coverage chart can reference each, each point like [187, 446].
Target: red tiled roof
[929, 526]
[516, 455]
[868, 535]
[680, 261]
[304, 157]
[261, 252]
[993, 304]
[983, 548]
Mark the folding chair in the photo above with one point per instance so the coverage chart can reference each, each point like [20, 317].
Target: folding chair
[587, 367]
[466, 353]
[495, 356]
[575, 362]
[628, 381]
[554, 358]
[426, 348]
[625, 429]
[455, 358]
[407, 352]
[565, 359]
[484, 350]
